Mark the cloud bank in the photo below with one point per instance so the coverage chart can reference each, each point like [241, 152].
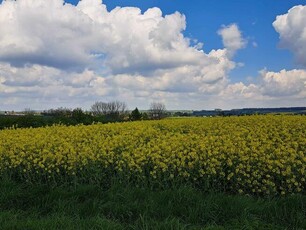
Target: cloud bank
[57, 54]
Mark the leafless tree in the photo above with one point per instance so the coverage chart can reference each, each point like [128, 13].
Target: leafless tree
[157, 110]
[114, 109]
[99, 108]
[117, 107]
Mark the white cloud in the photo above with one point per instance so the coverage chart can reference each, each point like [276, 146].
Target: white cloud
[45, 87]
[232, 38]
[284, 83]
[242, 91]
[45, 32]
[273, 89]
[56, 54]
[292, 31]
[52, 49]
[55, 34]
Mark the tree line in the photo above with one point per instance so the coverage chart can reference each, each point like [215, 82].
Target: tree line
[102, 112]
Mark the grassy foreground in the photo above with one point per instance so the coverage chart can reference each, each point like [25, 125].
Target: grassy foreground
[24, 206]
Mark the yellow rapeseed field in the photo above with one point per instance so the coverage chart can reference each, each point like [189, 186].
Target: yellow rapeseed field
[249, 155]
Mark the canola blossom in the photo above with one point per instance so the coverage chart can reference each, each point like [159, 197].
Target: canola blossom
[249, 155]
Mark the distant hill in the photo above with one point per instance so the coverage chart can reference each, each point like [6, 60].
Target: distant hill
[250, 111]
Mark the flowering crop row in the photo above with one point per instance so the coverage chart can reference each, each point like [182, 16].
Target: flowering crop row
[254, 155]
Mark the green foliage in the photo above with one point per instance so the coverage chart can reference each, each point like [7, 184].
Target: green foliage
[81, 117]
[77, 116]
[127, 207]
[135, 115]
[145, 116]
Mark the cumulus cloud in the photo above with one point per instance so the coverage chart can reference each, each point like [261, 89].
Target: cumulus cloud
[49, 48]
[48, 33]
[232, 38]
[283, 88]
[57, 34]
[283, 83]
[292, 32]
[57, 54]
[41, 86]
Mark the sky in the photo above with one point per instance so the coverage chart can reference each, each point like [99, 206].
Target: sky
[189, 55]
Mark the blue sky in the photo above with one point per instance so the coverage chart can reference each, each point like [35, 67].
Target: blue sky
[249, 57]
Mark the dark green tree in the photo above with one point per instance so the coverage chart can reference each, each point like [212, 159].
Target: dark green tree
[79, 115]
[136, 115]
[145, 116]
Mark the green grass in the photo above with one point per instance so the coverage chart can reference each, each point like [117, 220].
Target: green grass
[24, 206]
